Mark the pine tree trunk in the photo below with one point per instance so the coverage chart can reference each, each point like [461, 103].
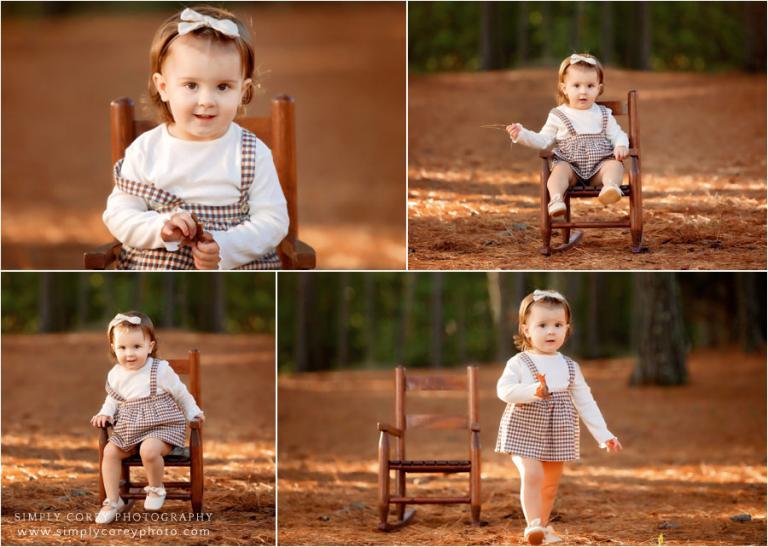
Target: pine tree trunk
[437, 320]
[303, 311]
[406, 303]
[342, 323]
[661, 337]
[370, 319]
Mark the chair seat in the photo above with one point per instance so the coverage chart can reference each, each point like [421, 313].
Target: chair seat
[178, 457]
[430, 466]
[581, 190]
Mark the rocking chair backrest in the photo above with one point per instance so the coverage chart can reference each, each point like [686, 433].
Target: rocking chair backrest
[191, 367]
[627, 108]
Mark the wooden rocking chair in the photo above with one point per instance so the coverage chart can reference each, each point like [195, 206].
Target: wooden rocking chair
[583, 190]
[278, 131]
[401, 466]
[191, 456]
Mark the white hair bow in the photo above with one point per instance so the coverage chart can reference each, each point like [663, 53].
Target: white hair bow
[119, 318]
[538, 295]
[191, 20]
[576, 58]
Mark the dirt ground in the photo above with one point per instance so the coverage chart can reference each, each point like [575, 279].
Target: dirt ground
[473, 203]
[344, 64]
[694, 456]
[50, 456]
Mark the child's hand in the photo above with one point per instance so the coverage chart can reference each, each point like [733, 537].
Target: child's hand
[100, 420]
[514, 130]
[199, 418]
[542, 392]
[620, 152]
[206, 253]
[179, 227]
[613, 446]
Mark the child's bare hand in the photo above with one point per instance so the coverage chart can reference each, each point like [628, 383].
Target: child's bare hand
[179, 227]
[613, 446]
[200, 418]
[620, 152]
[514, 130]
[542, 392]
[100, 420]
[206, 253]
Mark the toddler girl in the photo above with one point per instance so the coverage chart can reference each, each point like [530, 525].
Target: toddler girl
[198, 161]
[590, 143]
[544, 390]
[148, 406]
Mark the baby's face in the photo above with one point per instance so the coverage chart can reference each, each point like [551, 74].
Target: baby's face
[581, 86]
[132, 347]
[203, 84]
[546, 328]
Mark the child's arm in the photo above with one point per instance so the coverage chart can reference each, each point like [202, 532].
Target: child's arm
[581, 394]
[541, 140]
[106, 414]
[268, 222]
[618, 138]
[171, 383]
[129, 219]
[510, 387]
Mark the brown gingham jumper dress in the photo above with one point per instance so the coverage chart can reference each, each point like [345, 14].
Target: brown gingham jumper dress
[587, 152]
[213, 217]
[155, 416]
[545, 430]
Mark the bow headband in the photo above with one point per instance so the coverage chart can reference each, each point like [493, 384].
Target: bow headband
[576, 58]
[191, 20]
[120, 318]
[538, 295]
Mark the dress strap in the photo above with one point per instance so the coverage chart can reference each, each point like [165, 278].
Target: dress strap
[153, 379]
[604, 112]
[114, 394]
[247, 168]
[571, 371]
[563, 118]
[531, 365]
[148, 191]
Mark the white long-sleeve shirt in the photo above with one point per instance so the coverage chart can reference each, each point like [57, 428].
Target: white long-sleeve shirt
[133, 384]
[583, 121]
[518, 386]
[203, 172]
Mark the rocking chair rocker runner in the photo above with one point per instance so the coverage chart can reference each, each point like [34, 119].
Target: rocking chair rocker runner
[401, 466]
[581, 190]
[278, 133]
[191, 456]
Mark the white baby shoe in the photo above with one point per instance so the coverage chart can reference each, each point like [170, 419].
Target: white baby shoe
[550, 536]
[609, 194]
[556, 207]
[109, 511]
[155, 498]
[535, 532]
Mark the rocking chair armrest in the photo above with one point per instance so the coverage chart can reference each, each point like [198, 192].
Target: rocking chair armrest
[297, 254]
[102, 257]
[474, 426]
[196, 424]
[392, 430]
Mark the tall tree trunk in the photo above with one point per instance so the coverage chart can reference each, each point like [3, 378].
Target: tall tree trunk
[754, 36]
[490, 50]
[219, 303]
[370, 319]
[139, 290]
[169, 300]
[662, 344]
[521, 53]
[342, 323]
[406, 306]
[546, 24]
[644, 32]
[304, 296]
[578, 30]
[45, 303]
[498, 294]
[592, 321]
[461, 325]
[82, 300]
[608, 43]
[749, 311]
[436, 353]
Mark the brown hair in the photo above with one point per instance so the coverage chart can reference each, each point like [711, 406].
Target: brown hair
[169, 30]
[522, 342]
[146, 325]
[560, 97]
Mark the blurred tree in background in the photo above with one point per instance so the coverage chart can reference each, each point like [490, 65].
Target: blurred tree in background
[211, 302]
[694, 36]
[365, 320]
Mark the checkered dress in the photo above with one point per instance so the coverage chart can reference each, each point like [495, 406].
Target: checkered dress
[544, 430]
[213, 217]
[586, 153]
[155, 416]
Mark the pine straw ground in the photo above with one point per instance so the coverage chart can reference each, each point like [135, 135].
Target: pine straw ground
[53, 384]
[694, 456]
[474, 204]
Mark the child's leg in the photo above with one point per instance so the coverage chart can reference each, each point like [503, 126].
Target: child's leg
[552, 473]
[110, 469]
[611, 173]
[560, 179]
[152, 451]
[531, 480]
